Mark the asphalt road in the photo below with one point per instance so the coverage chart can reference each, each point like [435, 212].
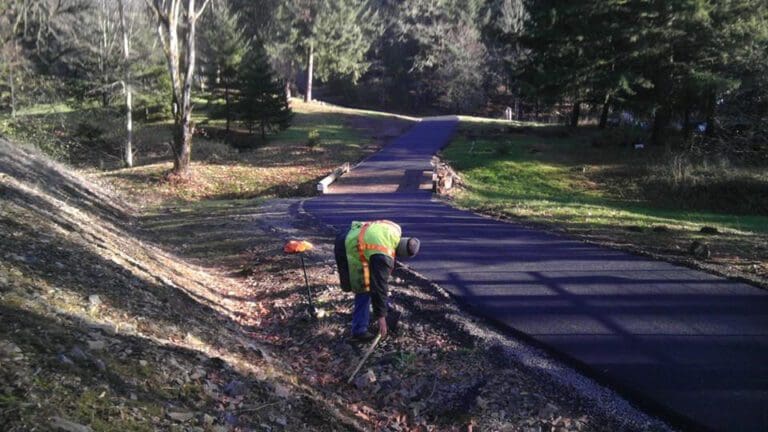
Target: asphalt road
[686, 344]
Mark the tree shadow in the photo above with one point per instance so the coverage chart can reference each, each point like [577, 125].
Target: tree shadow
[643, 326]
[148, 379]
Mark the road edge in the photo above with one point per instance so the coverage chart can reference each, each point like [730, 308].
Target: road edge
[600, 398]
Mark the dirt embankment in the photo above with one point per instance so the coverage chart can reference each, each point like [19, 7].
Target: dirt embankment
[100, 330]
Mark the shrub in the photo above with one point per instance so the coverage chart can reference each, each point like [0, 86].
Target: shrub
[503, 149]
[213, 151]
[152, 106]
[683, 180]
[35, 130]
[618, 137]
[313, 138]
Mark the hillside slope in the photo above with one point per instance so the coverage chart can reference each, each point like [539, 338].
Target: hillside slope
[99, 328]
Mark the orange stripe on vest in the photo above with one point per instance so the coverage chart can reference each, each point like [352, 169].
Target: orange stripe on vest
[362, 246]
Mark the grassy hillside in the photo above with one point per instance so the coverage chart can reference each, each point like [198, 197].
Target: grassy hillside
[586, 184]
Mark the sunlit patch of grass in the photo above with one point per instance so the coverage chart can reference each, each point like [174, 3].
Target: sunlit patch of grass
[556, 178]
[471, 121]
[300, 106]
[41, 109]
[546, 179]
[282, 166]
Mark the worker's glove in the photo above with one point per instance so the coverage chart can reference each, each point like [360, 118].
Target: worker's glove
[383, 327]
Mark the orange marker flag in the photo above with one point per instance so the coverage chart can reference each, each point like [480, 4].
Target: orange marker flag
[297, 246]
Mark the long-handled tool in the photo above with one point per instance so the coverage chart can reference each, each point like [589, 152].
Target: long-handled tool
[298, 247]
[365, 357]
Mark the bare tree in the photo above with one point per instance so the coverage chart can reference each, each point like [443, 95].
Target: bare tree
[107, 59]
[9, 53]
[176, 21]
[127, 89]
[11, 21]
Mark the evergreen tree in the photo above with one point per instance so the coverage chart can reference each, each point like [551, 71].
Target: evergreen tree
[390, 80]
[263, 102]
[223, 48]
[452, 60]
[332, 35]
[664, 59]
[502, 32]
[566, 45]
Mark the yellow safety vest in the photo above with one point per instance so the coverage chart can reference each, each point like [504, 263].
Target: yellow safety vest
[364, 240]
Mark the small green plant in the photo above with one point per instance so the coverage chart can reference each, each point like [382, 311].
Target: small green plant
[313, 138]
[404, 359]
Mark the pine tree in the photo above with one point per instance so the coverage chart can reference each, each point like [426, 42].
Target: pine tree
[502, 31]
[451, 60]
[223, 48]
[663, 59]
[332, 36]
[263, 102]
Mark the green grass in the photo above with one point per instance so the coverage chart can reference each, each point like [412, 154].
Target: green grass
[331, 127]
[43, 109]
[550, 179]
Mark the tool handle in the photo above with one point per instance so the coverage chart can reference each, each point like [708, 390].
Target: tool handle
[306, 282]
[365, 357]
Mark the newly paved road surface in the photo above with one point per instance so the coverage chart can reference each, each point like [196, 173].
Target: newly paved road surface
[684, 342]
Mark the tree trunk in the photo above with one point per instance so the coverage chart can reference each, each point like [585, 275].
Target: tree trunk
[310, 64]
[184, 118]
[516, 108]
[12, 85]
[575, 114]
[128, 125]
[128, 148]
[660, 124]
[687, 129]
[169, 15]
[288, 90]
[182, 147]
[606, 110]
[710, 114]
[103, 53]
[226, 107]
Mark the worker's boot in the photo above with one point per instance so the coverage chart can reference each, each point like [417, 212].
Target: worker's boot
[363, 337]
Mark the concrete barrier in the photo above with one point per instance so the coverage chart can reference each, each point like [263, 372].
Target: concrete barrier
[322, 185]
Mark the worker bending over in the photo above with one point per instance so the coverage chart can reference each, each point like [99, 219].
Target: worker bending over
[365, 255]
